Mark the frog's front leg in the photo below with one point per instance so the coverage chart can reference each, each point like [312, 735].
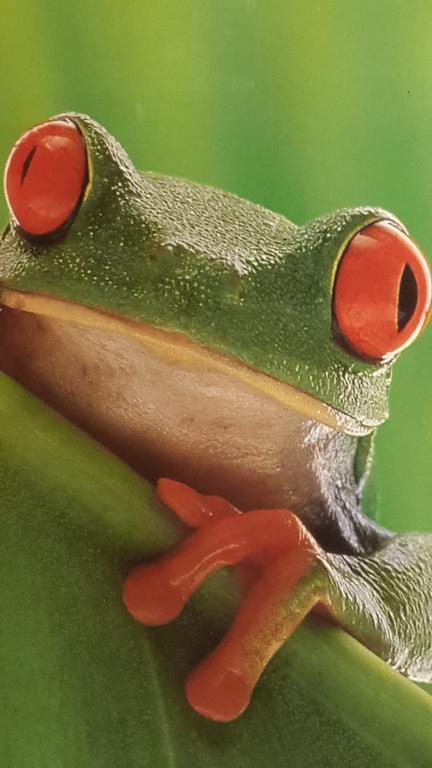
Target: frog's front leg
[372, 597]
[385, 601]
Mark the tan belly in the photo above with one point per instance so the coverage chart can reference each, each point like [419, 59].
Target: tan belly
[198, 426]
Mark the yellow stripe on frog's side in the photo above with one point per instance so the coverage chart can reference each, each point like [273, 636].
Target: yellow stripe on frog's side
[177, 349]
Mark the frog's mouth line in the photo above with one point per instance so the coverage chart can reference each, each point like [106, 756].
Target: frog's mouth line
[167, 405]
[177, 349]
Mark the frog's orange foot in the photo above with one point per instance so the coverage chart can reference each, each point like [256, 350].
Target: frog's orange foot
[284, 591]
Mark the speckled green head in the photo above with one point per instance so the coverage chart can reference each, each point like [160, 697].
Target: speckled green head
[226, 278]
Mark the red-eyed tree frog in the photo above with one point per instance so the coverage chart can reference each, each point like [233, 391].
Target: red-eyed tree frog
[244, 360]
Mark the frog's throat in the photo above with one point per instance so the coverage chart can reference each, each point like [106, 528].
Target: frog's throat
[178, 350]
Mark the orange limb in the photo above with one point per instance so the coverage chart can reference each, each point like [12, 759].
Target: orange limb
[194, 509]
[221, 686]
[276, 541]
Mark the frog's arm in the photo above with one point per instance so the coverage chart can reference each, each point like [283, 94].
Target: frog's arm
[384, 600]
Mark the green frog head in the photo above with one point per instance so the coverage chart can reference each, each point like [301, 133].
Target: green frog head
[237, 281]
[170, 314]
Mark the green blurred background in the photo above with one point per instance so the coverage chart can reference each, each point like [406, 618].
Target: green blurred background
[301, 106]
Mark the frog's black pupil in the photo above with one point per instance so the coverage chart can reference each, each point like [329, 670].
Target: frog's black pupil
[408, 297]
[27, 163]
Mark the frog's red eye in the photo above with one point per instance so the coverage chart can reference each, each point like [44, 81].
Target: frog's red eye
[382, 293]
[46, 176]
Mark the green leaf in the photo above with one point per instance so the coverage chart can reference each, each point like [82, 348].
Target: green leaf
[84, 685]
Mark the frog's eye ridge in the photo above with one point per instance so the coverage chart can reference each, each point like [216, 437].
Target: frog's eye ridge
[382, 292]
[46, 177]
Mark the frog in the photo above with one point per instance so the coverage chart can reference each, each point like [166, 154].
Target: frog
[242, 364]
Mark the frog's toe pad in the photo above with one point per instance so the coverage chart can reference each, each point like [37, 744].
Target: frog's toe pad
[220, 695]
[150, 597]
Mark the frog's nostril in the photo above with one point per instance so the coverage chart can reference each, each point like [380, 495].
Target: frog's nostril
[46, 177]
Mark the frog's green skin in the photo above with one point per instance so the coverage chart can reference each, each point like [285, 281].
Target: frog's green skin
[228, 273]
[250, 286]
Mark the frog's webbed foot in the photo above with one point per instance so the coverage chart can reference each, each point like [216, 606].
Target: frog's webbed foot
[288, 583]
[384, 600]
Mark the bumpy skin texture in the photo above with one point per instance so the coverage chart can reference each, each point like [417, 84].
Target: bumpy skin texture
[385, 601]
[247, 283]
[228, 273]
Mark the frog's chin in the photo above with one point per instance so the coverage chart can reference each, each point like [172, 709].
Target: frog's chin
[168, 406]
